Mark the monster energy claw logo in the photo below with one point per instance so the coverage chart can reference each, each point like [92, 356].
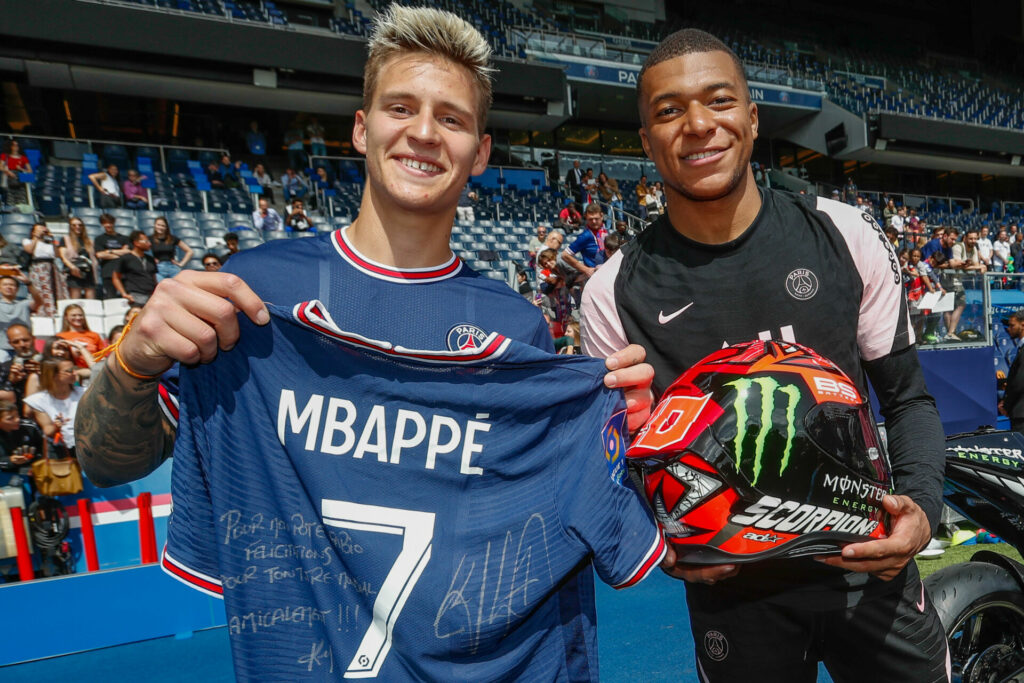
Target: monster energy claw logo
[769, 388]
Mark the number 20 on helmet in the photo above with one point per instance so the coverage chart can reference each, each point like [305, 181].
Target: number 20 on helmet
[763, 450]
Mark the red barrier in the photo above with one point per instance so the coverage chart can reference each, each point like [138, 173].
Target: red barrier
[88, 538]
[21, 540]
[147, 532]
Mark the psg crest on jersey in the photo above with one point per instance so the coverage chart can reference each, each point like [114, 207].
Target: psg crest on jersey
[465, 336]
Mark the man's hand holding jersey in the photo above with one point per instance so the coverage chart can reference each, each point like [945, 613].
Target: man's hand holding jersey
[628, 371]
[886, 557]
[188, 318]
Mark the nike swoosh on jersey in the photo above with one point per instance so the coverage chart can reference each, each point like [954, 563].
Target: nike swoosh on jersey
[662, 318]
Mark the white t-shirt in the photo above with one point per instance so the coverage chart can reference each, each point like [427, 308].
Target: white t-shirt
[985, 248]
[1001, 251]
[42, 250]
[66, 407]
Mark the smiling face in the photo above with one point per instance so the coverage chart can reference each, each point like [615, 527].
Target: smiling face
[699, 125]
[420, 134]
[8, 288]
[75, 317]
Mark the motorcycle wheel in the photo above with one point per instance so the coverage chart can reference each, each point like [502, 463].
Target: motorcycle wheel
[981, 608]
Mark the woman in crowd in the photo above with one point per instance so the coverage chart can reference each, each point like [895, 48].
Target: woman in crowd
[79, 257]
[13, 162]
[608, 189]
[165, 248]
[43, 271]
[54, 407]
[75, 329]
[56, 348]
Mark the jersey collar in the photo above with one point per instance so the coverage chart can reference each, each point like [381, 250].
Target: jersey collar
[405, 276]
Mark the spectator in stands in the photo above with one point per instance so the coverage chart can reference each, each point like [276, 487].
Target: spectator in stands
[255, 140]
[862, 205]
[1016, 253]
[294, 185]
[554, 240]
[266, 217]
[55, 406]
[109, 247]
[214, 176]
[20, 441]
[570, 217]
[608, 191]
[228, 170]
[298, 220]
[898, 222]
[296, 151]
[612, 243]
[589, 187]
[1000, 252]
[556, 301]
[985, 247]
[315, 132]
[13, 162]
[965, 258]
[622, 230]
[259, 172]
[642, 192]
[10, 254]
[943, 241]
[75, 329]
[211, 263]
[466, 209]
[15, 373]
[589, 245]
[13, 309]
[850, 191]
[115, 333]
[106, 183]
[537, 243]
[79, 258]
[574, 181]
[658, 191]
[164, 247]
[523, 283]
[135, 274]
[889, 211]
[917, 282]
[43, 270]
[231, 242]
[135, 195]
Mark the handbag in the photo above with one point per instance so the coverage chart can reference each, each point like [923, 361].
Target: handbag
[57, 477]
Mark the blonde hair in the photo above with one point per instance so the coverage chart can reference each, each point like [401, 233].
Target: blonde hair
[65, 325]
[401, 30]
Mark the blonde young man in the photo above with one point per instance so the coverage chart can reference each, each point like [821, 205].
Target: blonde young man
[380, 557]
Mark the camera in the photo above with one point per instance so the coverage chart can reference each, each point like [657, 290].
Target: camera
[47, 238]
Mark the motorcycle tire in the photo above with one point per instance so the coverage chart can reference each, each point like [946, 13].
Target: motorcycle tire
[981, 607]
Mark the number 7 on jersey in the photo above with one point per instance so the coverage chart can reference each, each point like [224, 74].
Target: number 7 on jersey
[417, 531]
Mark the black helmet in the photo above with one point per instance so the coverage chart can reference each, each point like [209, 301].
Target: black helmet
[763, 450]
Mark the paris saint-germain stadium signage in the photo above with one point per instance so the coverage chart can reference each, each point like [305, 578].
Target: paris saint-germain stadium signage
[625, 76]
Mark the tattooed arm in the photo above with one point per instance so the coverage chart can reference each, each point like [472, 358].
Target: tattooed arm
[120, 430]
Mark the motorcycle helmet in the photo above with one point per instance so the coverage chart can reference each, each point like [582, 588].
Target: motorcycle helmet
[762, 450]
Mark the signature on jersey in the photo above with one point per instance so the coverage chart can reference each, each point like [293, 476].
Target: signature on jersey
[491, 591]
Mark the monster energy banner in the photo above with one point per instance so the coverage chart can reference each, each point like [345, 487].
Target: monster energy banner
[762, 403]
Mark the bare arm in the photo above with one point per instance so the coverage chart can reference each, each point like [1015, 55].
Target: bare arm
[188, 253]
[119, 286]
[575, 263]
[120, 433]
[120, 429]
[96, 179]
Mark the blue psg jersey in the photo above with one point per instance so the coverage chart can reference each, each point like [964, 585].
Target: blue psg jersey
[370, 511]
[448, 306]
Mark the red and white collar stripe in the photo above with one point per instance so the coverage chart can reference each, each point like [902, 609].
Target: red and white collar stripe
[312, 314]
[408, 276]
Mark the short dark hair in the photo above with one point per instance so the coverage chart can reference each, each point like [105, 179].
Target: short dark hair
[211, 254]
[231, 237]
[8, 277]
[685, 42]
[1017, 315]
[107, 218]
[135, 234]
